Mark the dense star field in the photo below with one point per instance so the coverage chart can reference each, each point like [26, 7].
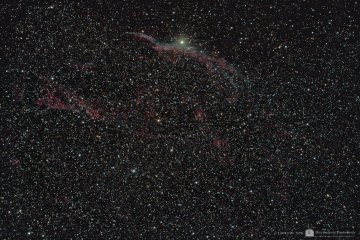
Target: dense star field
[179, 119]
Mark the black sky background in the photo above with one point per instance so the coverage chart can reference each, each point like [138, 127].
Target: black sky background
[291, 159]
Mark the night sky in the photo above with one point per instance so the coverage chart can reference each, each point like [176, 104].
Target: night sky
[179, 119]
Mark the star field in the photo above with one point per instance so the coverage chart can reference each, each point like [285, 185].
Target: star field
[179, 119]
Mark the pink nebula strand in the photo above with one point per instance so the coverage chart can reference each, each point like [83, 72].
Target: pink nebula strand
[214, 64]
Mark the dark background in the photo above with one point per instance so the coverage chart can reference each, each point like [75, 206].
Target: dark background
[283, 157]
